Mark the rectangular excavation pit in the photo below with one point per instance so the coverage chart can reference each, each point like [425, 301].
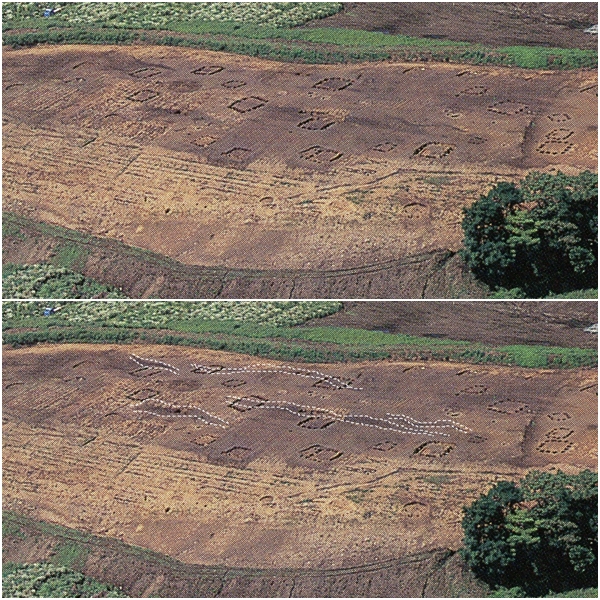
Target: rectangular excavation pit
[318, 453]
[508, 107]
[233, 84]
[554, 148]
[384, 446]
[248, 104]
[385, 147]
[247, 403]
[559, 135]
[508, 407]
[208, 70]
[204, 141]
[333, 84]
[145, 73]
[316, 123]
[316, 422]
[559, 434]
[143, 394]
[318, 154]
[433, 449]
[204, 440]
[232, 383]
[434, 150]
[143, 95]
[554, 446]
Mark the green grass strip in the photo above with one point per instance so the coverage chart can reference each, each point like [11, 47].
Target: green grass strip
[312, 45]
[307, 344]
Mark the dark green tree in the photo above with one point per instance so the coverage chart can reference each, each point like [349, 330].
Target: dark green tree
[540, 237]
[538, 536]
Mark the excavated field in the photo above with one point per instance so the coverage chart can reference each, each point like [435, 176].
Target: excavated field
[223, 160]
[218, 459]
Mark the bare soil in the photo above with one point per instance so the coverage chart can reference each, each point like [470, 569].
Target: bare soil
[215, 459]
[495, 323]
[147, 275]
[238, 163]
[146, 574]
[555, 24]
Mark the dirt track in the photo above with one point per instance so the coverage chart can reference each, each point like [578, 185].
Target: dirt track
[229, 161]
[213, 459]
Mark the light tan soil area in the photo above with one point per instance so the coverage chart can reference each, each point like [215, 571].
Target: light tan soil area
[217, 458]
[224, 160]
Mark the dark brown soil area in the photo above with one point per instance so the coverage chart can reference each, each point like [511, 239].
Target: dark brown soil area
[147, 574]
[550, 323]
[555, 24]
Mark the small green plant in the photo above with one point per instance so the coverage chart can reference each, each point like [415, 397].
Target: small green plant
[45, 580]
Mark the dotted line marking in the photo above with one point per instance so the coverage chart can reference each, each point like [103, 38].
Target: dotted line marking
[157, 364]
[300, 410]
[172, 405]
[334, 381]
[450, 423]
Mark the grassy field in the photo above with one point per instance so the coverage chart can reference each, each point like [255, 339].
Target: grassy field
[272, 329]
[269, 30]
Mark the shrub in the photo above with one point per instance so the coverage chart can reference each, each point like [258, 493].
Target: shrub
[539, 536]
[541, 237]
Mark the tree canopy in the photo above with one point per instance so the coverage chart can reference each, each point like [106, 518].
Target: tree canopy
[540, 535]
[540, 236]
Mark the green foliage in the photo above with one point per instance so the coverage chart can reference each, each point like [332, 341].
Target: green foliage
[71, 256]
[259, 328]
[44, 580]
[185, 316]
[535, 537]
[266, 29]
[536, 239]
[590, 592]
[162, 15]
[48, 281]
[71, 555]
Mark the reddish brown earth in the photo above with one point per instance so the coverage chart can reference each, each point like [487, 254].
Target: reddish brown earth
[213, 459]
[234, 162]
[146, 574]
[495, 323]
[556, 24]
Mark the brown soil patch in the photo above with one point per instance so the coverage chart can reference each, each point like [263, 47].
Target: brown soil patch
[555, 24]
[313, 466]
[494, 323]
[304, 167]
[145, 574]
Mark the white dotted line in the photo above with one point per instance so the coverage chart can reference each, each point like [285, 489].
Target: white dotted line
[149, 412]
[278, 403]
[157, 364]
[451, 423]
[334, 381]
[176, 406]
[299, 408]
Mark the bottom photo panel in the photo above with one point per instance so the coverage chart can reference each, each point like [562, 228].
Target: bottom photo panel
[300, 449]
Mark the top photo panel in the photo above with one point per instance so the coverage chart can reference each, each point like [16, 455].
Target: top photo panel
[300, 150]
